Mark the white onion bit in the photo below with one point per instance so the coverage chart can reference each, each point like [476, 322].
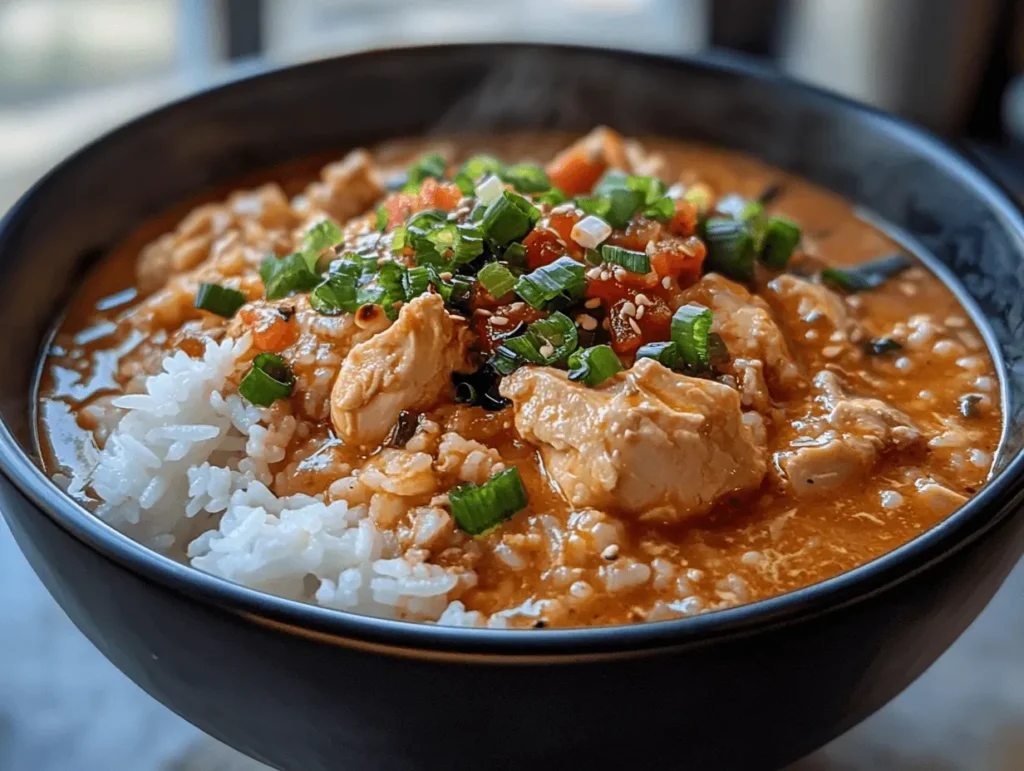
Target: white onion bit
[590, 231]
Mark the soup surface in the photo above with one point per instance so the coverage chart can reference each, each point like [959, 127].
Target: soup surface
[593, 382]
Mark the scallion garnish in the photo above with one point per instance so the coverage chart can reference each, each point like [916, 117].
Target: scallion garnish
[515, 257]
[662, 210]
[454, 290]
[269, 379]
[382, 219]
[415, 281]
[593, 205]
[547, 341]
[432, 165]
[651, 187]
[479, 165]
[563, 278]
[634, 262]
[779, 239]
[282, 276]
[508, 219]
[666, 353]
[867, 275]
[219, 299]
[593, 366]
[323, 235]
[622, 205]
[496, 279]
[526, 178]
[465, 184]
[730, 248]
[552, 197]
[691, 325]
[477, 509]
[465, 393]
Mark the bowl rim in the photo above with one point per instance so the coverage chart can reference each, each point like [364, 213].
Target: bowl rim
[527, 645]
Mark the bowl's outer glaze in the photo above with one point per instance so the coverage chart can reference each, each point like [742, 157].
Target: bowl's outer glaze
[304, 689]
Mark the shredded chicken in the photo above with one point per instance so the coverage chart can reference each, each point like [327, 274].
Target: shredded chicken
[846, 442]
[798, 300]
[406, 367]
[651, 442]
[348, 187]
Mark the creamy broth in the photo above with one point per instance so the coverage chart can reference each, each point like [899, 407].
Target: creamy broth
[750, 545]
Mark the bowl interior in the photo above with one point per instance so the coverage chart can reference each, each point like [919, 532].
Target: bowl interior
[909, 180]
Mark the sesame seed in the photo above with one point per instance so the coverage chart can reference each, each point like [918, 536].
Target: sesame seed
[605, 275]
[499, 321]
[956, 322]
[587, 321]
[667, 282]
[594, 274]
[483, 312]
[831, 351]
[517, 306]
[547, 350]
[628, 309]
[634, 325]
[594, 302]
[446, 276]
[642, 299]
[620, 274]
[611, 552]
[605, 324]
[640, 311]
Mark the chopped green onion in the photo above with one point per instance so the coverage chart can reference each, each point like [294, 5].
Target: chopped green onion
[879, 346]
[323, 235]
[612, 180]
[508, 218]
[700, 196]
[552, 197]
[465, 393]
[547, 341]
[666, 354]
[453, 291]
[779, 240]
[651, 187]
[477, 509]
[219, 299]
[690, 327]
[593, 366]
[623, 204]
[399, 239]
[730, 248]
[496, 279]
[282, 276]
[415, 281]
[433, 165]
[478, 211]
[382, 219]
[752, 210]
[526, 178]
[479, 165]
[269, 379]
[867, 275]
[662, 210]
[505, 361]
[515, 257]
[563, 278]
[469, 244]
[464, 183]
[592, 205]
[634, 262]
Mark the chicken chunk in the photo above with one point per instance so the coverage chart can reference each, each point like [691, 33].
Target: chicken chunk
[651, 442]
[348, 187]
[845, 443]
[761, 360]
[801, 301]
[406, 367]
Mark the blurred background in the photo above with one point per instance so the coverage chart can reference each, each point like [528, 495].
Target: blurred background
[70, 69]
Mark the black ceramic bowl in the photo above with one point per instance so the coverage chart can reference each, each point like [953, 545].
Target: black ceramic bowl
[305, 688]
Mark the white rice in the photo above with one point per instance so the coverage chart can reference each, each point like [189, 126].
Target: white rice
[186, 470]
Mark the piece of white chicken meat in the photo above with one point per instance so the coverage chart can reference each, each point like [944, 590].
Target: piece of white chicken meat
[650, 442]
[844, 443]
[406, 367]
[761, 360]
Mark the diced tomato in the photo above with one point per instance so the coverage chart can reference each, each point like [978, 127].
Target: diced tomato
[432, 195]
[576, 170]
[439, 195]
[552, 238]
[684, 221]
[680, 259]
[629, 332]
[616, 287]
[489, 332]
[272, 329]
[637, 234]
